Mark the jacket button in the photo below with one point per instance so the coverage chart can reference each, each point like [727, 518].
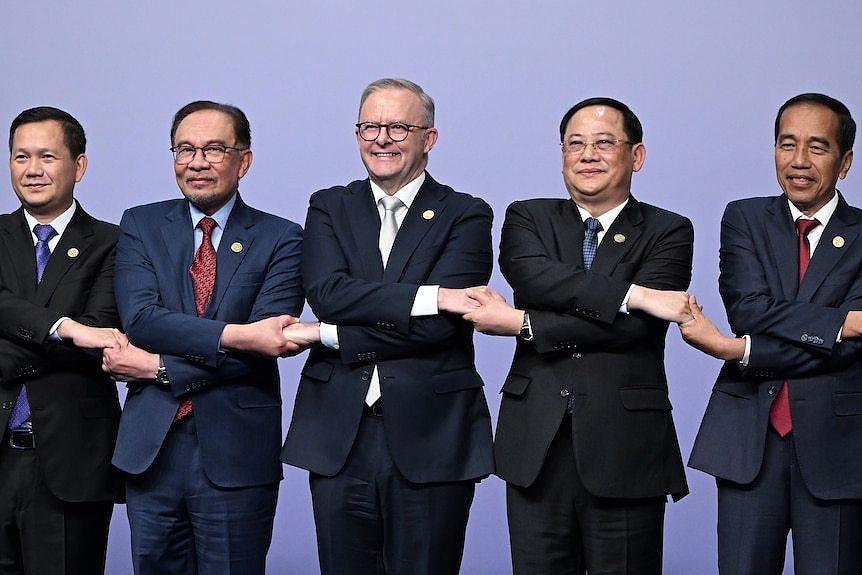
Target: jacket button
[564, 393]
[366, 376]
[772, 389]
[576, 355]
[7, 405]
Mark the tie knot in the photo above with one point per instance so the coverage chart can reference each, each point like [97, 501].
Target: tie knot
[804, 226]
[206, 225]
[44, 232]
[593, 224]
[391, 203]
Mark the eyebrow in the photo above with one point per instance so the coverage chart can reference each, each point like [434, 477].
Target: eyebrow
[815, 139]
[594, 135]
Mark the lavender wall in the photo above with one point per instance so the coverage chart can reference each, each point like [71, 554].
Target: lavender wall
[705, 79]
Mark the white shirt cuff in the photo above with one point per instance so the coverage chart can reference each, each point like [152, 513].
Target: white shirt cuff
[329, 335]
[425, 302]
[747, 355]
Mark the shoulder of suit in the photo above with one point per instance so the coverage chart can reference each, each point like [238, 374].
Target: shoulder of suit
[268, 218]
[99, 226]
[540, 203]
[162, 206]
[649, 211]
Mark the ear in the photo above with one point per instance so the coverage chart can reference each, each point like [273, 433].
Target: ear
[430, 139]
[80, 167]
[244, 162]
[639, 153]
[845, 164]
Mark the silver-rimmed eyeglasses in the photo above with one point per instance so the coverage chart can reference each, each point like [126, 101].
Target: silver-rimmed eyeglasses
[604, 146]
[398, 131]
[213, 153]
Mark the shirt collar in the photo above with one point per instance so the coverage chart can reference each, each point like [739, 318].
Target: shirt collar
[406, 194]
[823, 215]
[220, 216]
[59, 223]
[607, 218]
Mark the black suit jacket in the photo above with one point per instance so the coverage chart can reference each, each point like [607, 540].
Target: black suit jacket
[436, 419]
[611, 363]
[794, 336]
[74, 405]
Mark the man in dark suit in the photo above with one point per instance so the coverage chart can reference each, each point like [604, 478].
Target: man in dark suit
[390, 415]
[782, 431]
[58, 411]
[205, 286]
[585, 439]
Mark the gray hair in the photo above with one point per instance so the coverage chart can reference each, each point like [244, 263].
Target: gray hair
[402, 84]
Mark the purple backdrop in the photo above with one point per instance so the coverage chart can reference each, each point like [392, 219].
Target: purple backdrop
[705, 79]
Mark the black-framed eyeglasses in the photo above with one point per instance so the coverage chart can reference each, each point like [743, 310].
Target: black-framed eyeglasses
[397, 131]
[604, 145]
[213, 153]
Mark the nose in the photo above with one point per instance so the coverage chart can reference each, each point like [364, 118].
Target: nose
[198, 161]
[383, 136]
[33, 167]
[589, 154]
[800, 157]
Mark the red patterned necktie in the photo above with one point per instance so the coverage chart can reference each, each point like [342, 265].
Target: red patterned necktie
[779, 412]
[203, 274]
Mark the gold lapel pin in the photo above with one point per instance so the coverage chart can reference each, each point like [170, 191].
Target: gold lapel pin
[236, 247]
[838, 242]
[73, 252]
[428, 214]
[619, 238]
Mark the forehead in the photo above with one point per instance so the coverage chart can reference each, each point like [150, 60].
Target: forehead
[205, 126]
[809, 120]
[596, 120]
[45, 134]
[391, 104]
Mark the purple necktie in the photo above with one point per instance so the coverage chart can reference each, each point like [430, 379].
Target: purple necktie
[44, 233]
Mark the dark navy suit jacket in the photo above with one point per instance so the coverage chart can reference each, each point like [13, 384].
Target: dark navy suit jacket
[237, 399]
[436, 419]
[793, 336]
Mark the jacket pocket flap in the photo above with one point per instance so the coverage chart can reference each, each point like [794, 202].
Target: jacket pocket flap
[736, 388]
[643, 398]
[847, 403]
[320, 371]
[456, 381]
[516, 384]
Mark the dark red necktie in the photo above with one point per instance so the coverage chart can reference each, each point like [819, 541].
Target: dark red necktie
[203, 274]
[779, 412]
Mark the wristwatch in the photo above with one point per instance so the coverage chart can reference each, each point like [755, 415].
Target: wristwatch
[162, 374]
[526, 332]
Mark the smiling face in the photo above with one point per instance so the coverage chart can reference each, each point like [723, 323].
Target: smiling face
[392, 164]
[808, 160]
[44, 172]
[210, 186]
[599, 181]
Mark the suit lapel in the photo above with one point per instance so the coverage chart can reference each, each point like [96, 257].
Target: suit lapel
[364, 221]
[568, 232]
[623, 233]
[19, 241]
[838, 239]
[74, 243]
[236, 241]
[781, 235]
[424, 213]
[179, 242]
